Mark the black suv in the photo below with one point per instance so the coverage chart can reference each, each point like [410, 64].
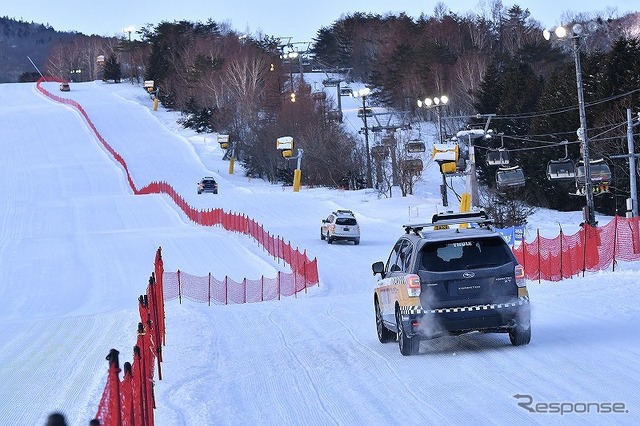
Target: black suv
[447, 278]
[208, 184]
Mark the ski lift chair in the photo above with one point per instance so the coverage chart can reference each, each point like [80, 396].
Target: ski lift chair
[334, 115]
[319, 95]
[600, 177]
[380, 152]
[413, 165]
[510, 177]
[346, 91]
[562, 168]
[365, 112]
[415, 145]
[498, 157]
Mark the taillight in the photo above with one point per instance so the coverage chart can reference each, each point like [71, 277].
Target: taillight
[332, 228]
[412, 281]
[520, 277]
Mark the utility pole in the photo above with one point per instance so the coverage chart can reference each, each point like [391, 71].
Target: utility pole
[632, 165]
[589, 214]
[366, 142]
[129, 30]
[633, 188]
[363, 93]
[575, 34]
[438, 103]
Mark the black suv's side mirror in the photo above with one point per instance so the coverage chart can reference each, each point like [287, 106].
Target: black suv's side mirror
[378, 268]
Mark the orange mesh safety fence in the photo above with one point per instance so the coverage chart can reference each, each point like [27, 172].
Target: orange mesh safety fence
[131, 402]
[275, 246]
[209, 289]
[588, 250]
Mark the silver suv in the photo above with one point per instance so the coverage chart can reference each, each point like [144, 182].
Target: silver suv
[340, 225]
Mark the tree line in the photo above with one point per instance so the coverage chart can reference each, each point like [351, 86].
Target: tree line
[495, 62]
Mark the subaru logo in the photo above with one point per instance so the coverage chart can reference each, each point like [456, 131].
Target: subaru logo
[468, 275]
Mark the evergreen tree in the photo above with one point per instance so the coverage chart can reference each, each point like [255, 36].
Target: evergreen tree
[517, 80]
[325, 48]
[112, 69]
[490, 92]
[26, 77]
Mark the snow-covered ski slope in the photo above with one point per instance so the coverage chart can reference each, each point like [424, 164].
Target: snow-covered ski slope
[77, 248]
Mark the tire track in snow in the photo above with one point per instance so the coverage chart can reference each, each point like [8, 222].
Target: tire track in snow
[389, 367]
[303, 365]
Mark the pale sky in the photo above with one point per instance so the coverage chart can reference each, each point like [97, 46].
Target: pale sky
[280, 18]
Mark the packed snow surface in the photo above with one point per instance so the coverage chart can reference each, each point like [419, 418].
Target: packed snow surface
[77, 249]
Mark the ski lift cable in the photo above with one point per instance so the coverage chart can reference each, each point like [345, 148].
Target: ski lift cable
[562, 110]
[607, 131]
[527, 149]
[595, 138]
[609, 127]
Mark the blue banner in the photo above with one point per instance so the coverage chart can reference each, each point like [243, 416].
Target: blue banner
[512, 234]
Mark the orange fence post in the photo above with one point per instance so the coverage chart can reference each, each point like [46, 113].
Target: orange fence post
[159, 276]
[179, 287]
[304, 274]
[246, 296]
[584, 249]
[114, 400]
[128, 417]
[615, 241]
[138, 395]
[538, 239]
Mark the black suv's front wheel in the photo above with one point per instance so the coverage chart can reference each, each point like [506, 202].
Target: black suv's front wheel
[408, 345]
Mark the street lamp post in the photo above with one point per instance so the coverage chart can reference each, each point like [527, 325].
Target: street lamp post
[289, 57]
[129, 30]
[363, 93]
[438, 103]
[575, 36]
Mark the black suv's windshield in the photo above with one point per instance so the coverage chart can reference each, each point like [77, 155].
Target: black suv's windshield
[456, 255]
[346, 221]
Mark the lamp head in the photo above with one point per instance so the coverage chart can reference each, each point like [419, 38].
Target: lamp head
[577, 29]
[561, 32]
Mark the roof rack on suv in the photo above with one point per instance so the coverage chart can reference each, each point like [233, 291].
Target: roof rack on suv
[442, 220]
[340, 211]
